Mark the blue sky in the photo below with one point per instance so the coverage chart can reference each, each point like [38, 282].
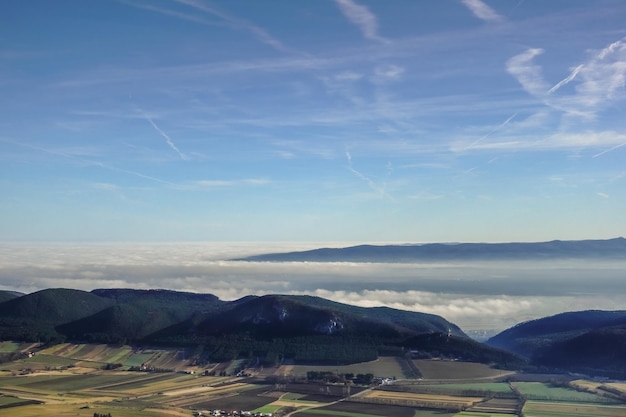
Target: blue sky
[346, 120]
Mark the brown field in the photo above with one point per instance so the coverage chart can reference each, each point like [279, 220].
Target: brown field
[456, 370]
[418, 400]
[244, 400]
[385, 366]
[497, 405]
[375, 409]
[620, 386]
[67, 410]
[319, 390]
[562, 409]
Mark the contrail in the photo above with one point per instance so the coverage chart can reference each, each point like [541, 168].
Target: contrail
[506, 122]
[609, 150]
[566, 80]
[87, 161]
[167, 138]
[370, 182]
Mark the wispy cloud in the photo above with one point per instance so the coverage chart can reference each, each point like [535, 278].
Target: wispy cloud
[567, 79]
[168, 140]
[388, 72]
[198, 6]
[362, 17]
[598, 82]
[482, 10]
[212, 184]
[381, 191]
[609, 150]
[258, 32]
[528, 74]
[494, 130]
[85, 161]
[169, 12]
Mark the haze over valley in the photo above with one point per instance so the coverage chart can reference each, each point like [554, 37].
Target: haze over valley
[477, 295]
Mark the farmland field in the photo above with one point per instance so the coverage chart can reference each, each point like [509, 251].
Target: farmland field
[419, 400]
[353, 409]
[573, 409]
[543, 391]
[12, 347]
[474, 414]
[620, 386]
[384, 366]
[441, 370]
[69, 380]
[473, 388]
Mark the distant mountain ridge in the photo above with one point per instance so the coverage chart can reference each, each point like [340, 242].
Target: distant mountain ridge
[556, 249]
[271, 327]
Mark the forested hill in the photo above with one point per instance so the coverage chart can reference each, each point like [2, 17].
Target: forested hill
[592, 342]
[272, 327]
[557, 249]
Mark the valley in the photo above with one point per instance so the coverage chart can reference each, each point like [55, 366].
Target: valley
[88, 379]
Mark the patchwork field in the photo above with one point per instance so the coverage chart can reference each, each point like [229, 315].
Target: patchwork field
[70, 380]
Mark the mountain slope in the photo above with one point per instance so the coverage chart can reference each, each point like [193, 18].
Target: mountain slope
[591, 342]
[311, 329]
[34, 317]
[138, 313]
[557, 249]
[9, 295]
[270, 328]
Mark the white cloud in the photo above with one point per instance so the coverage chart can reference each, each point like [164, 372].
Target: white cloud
[482, 10]
[598, 82]
[481, 295]
[362, 17]
[528, 74]
[388, 72]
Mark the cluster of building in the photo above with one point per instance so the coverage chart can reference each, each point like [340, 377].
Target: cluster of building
[232, 413]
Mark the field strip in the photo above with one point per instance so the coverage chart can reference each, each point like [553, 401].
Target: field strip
[167, 412]
[572, 409]
[421, 397]
[340, 413]
[298, 403]
[208, 388]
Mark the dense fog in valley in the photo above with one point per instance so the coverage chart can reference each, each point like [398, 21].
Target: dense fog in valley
[474, 295]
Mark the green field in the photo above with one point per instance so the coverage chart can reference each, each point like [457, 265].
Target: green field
[476, 387]
[571, 409]
[543, 391]
[472, 414]
[10, 347]
[339, 413]
[49, 360]
[68, 390]
[384, 367]
[137, 359]
[269, 408]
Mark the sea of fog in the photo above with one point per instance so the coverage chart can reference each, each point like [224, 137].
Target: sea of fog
[476, 295]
